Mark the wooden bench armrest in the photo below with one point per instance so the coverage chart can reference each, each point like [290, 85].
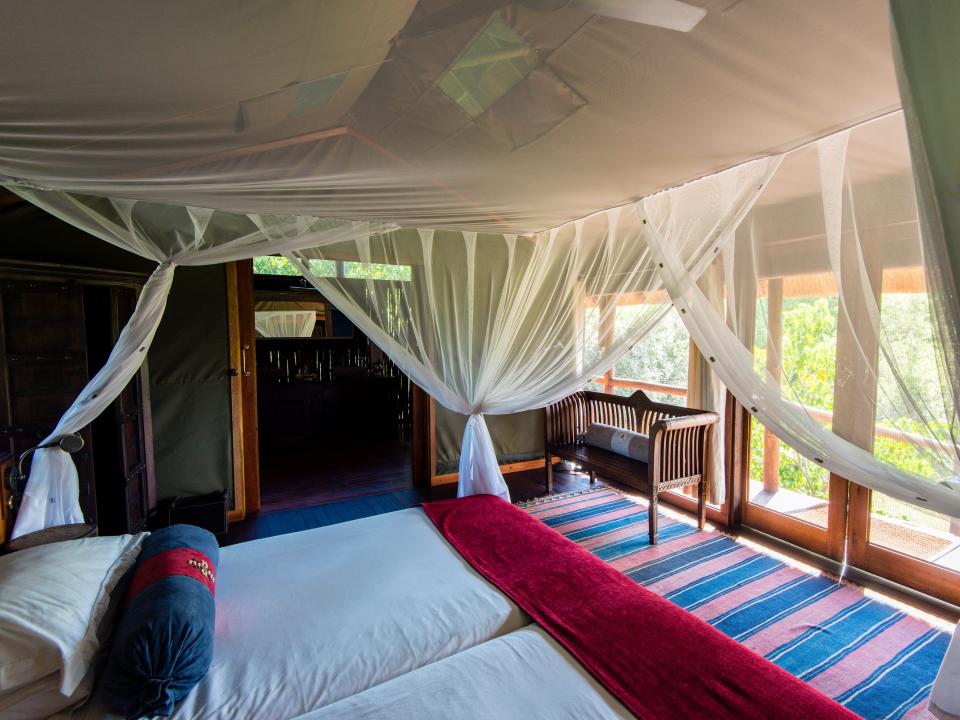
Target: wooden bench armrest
[684, 421]
[677, 447]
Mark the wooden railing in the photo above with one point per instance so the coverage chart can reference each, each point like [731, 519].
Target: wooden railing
[824, 416]
[615, 382]
[771, 452]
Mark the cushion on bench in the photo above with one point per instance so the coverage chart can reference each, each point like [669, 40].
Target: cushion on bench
[623, 442]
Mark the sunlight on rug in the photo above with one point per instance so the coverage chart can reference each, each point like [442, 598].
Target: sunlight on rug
[871, 656]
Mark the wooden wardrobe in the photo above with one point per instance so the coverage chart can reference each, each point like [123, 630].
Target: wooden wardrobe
[57, 327]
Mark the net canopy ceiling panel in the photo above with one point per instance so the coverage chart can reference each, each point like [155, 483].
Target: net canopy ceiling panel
[529, 166]
[505, 119]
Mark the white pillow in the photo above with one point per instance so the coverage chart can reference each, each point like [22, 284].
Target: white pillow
[43, 698]
[52, 599]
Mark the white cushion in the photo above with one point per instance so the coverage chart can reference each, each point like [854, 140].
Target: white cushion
[52, 600]
[623, 442]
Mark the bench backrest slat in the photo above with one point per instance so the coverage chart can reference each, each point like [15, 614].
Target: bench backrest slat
[567, 419]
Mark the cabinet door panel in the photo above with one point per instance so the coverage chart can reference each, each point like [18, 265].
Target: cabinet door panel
[44, 364]
[130, 410]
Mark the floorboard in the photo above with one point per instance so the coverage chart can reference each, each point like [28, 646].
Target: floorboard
[321, 507]
[321, 472]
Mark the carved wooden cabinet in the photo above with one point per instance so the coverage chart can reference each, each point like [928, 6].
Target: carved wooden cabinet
[57, 327]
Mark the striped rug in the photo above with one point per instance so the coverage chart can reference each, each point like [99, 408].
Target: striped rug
[872, 657]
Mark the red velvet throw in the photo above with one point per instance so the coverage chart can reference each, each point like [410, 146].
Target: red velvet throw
[659, 660]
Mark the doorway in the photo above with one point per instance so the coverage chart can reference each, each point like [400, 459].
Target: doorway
[334, 414]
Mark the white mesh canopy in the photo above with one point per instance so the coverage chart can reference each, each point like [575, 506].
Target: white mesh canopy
[514, 121]
[285, 323]
[835, 238]
[486, 323]
[457, 161]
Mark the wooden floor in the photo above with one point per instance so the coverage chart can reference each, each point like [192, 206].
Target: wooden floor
[309, 474]
[341, 501]
[523, 486]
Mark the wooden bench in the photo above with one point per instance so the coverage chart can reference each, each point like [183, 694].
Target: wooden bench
[676, 452]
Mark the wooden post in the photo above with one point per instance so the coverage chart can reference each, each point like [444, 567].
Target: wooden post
[605, 333]
[248, 383]
[771, 443]
[854, 395]
[423, 453]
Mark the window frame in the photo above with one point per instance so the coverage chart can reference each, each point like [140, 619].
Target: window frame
[847, 535]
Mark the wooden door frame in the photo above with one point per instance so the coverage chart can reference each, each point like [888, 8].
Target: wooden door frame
[828, 541]
[423, 460]
[145, 411]
[243, 391]
[243, 397]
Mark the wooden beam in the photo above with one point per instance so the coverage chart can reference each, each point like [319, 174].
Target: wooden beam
[422, 453]
[855, 397]
[506, 468]
[823, 284]
[614, 381]
[737, 440]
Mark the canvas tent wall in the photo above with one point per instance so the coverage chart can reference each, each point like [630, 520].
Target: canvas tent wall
[187, 463]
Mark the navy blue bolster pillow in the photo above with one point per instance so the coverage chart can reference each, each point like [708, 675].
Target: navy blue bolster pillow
[163, 642]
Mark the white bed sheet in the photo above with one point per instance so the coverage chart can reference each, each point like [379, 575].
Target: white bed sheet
[309, 618]
[525, 675]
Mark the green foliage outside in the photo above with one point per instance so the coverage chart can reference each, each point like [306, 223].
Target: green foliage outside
[275, 265]
[376, 271]
[809, 364]
[662, 356]
[808, 361]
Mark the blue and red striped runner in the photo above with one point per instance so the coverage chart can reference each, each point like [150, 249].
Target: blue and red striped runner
[873, 658]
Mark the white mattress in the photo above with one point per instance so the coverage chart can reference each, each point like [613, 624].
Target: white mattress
[308, 618]
[524, 675]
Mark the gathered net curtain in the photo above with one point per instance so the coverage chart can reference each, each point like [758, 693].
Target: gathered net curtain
[927, 55]
[171, 236]
[826, 330]
[285, 323]
[498, 323]
[491, 324]
[484, 323]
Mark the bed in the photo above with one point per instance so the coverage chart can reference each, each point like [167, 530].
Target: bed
[524, 674]
[309, 618]
[417, 614]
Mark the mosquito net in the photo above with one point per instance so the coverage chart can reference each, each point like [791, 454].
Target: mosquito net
[510, 121]
[471, 166]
